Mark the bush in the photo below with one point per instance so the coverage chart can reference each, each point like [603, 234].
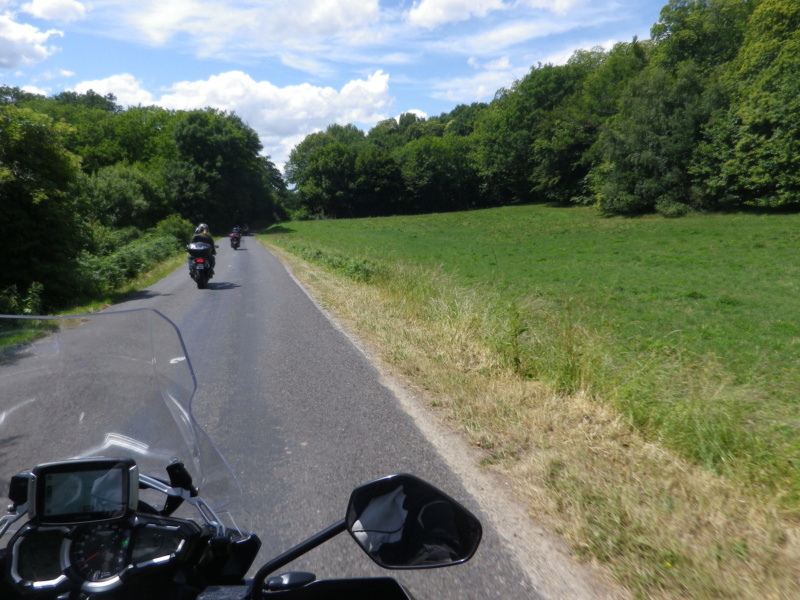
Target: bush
[176, 227]
[103, 274]
[14, 303]
[671, 209]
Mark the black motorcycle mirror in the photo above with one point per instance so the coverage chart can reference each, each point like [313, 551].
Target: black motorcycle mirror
[402, 522]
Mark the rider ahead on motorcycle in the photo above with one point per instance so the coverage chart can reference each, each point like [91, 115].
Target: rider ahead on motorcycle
[201, 234]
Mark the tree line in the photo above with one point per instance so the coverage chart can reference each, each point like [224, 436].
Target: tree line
[703, 116]
[92, 194]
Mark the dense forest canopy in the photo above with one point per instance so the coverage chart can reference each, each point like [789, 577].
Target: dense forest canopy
[92, 194]
[703, 116]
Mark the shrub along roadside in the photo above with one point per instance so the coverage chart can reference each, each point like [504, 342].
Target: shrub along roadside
[128, 254]
[113, 271]
[665, 527]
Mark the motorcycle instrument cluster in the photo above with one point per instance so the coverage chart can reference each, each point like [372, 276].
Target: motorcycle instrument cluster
[85, 532]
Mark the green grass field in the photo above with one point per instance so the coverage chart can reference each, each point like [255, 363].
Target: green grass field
[688, 326]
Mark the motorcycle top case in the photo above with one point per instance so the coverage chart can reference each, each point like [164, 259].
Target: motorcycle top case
[199, 249]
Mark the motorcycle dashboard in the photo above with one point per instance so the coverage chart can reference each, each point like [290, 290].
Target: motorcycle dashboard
[98, 556]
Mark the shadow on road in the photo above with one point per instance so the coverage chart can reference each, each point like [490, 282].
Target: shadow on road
[141, 295]
[223, 285]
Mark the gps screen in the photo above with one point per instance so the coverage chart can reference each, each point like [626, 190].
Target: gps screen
[82, 491]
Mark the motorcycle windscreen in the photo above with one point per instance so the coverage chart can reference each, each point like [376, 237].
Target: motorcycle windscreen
[116, 384]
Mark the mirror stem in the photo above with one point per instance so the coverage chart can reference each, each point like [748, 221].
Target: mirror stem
[295, 553]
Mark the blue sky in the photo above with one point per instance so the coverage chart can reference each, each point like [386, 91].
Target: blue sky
[292, 67]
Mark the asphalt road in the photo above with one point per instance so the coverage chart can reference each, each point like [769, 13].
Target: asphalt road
[302, 417]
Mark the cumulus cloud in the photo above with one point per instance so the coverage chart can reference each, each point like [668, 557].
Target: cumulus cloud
[22, 44]
[32, 89]
[55, 10]
[127, 89]
[281, 116]
[284, 116]
[432, 13]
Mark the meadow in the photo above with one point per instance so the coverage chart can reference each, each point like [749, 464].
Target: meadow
[635, 377]
[662, 300]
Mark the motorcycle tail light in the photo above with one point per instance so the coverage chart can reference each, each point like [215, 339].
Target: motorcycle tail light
[201, 260]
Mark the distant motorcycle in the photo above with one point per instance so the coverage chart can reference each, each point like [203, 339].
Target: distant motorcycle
[236, 240]
[200, 263]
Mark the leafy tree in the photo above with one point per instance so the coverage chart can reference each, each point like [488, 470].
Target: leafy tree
[750, 153]
[188, 189]
[386, 135]
[123, 196]
[461, 120]
[439, 175]
[219, 176]
[90, 99]
[506, 131]
[424, 128]
[41, 222]
[562, 152]
[145, 134]
[647, 147]
[323, 169]
[14, 95]
[379, 186]
[708, 33]
[92, 135]
[349, 135]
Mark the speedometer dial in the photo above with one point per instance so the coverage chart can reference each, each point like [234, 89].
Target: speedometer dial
[100, 551]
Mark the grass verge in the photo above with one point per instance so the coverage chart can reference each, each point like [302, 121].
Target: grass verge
[663, 525]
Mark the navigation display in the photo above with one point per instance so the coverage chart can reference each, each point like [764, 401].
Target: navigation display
[79, 491]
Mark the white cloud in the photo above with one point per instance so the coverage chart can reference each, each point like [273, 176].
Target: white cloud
[500, 64]
[127, 89]
[32, 89]
[431, 13]
[556, 6]
[215, 26]
[494, 41]
[480, 88]
[282, 117]
[306, 63]
[55, 10]
[55, 74]
[22, 44]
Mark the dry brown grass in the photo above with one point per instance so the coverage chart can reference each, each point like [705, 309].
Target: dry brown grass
[666, 529]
